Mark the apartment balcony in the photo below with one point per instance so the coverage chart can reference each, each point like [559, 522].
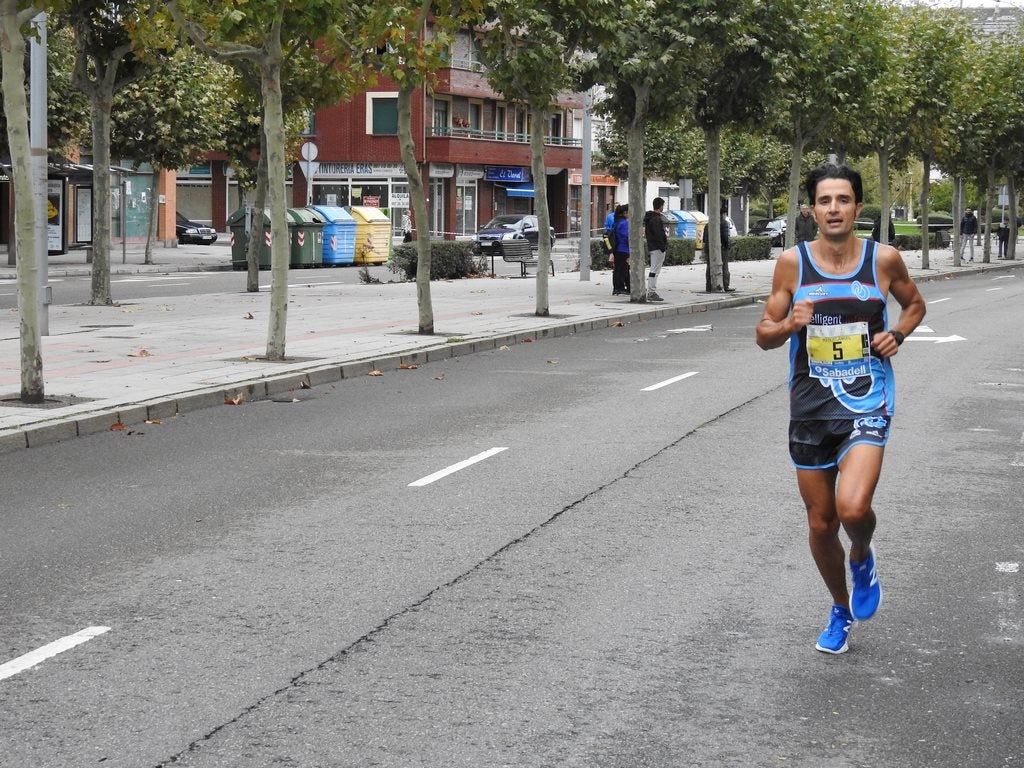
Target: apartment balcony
[457, 144]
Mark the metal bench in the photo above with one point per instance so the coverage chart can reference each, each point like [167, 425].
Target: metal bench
[520, 251]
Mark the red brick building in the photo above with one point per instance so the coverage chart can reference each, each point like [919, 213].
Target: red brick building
[472, 146]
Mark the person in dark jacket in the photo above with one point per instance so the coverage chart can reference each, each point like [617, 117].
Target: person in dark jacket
[968, 229]
[806, 228]
[876, 231]
[620, 252]
[657, 246]
[723, 229]
[1003, 233]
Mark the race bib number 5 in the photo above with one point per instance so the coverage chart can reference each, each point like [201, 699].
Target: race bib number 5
[838, 351]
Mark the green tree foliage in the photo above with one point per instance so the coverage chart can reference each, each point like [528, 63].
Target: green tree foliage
[172, 117]
[268, 33]
[934, 48]
[532, 49]
[412, 60]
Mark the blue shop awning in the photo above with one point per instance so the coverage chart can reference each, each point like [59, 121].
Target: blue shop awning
[519, 190]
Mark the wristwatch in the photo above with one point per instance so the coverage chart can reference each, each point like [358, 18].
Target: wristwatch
[898, 336]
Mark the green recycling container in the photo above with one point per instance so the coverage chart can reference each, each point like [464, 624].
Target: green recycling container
[306, 233]
[240, 240]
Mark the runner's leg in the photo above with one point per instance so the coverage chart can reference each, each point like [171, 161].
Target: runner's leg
[817, 488]
[859, 471]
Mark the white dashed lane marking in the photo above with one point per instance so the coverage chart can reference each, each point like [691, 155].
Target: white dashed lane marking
[39, 655]
[665, 383]
[456, 467]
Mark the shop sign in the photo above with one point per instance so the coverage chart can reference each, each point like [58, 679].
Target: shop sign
[506, 173]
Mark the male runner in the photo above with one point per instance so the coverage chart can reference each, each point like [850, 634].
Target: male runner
[829, 300]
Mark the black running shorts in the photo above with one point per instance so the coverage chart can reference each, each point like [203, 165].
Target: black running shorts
[822, 444]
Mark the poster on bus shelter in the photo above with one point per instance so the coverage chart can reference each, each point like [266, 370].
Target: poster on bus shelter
[54, 215]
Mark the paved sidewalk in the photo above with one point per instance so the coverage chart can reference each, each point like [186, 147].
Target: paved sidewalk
[149, 359]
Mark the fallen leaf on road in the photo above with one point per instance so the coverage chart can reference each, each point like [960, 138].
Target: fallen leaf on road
[248, 316]
[375, 372]
[305, 385]
[477, 313]
[528, 340]
[238, 399]
[503, 348]
[617, 324]
[407, 367]
[118, 427]
[553, 362]
[152, 421]
[439, 377]
[141, 353]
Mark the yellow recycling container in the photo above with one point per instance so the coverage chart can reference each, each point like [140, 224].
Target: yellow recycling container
[373, 235]
[702, 222]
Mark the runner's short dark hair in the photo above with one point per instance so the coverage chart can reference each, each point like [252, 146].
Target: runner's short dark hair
[832, 171]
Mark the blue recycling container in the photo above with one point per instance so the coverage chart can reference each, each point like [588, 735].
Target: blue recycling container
[339, 235]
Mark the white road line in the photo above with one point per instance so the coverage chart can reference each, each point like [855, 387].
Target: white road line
[939, 301]
[1005, 277]
[694, 329]
[30, 659]
[1008, 567]
[665, 383]
[989, 290]
[456, 467]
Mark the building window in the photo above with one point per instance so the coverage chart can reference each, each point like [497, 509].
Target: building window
[556, 125]
[465, 52]
[522, 129]
[500, 126]
[476, 110]
[442, 108]
[309, 129]
[382, 114]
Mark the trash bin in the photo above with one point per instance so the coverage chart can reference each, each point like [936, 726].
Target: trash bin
[702, 221]
[373, 235]
[339, 235]
[685, 224]
[240, 241]
[306, 233]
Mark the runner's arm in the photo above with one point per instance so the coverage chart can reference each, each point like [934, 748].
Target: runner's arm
[777, 323]
[904, 290]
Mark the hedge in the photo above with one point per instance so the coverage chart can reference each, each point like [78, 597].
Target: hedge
[749, 248]
[449, 260]
[680, 251]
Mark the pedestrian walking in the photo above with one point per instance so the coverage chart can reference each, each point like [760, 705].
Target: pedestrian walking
[805, 228]
[968, 229]
[829, 300]
[406, 226]
[620, 252]
[1003, 235]
[657, 246]
[725, 237]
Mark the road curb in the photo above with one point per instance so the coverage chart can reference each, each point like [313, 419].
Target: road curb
[63, 428]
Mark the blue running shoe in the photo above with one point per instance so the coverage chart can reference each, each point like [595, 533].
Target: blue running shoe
[833, 639]
[867, 591]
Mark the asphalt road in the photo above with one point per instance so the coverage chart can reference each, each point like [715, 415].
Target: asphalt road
[624, 583]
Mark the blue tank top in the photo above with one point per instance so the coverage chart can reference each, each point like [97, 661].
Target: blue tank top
[833, 373]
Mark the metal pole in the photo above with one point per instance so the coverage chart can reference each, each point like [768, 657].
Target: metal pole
[124, 219]
[585, 212]
[38, 141]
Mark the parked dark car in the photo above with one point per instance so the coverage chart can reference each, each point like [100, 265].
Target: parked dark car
[194, 233]
[511, 226]
[774, 229]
